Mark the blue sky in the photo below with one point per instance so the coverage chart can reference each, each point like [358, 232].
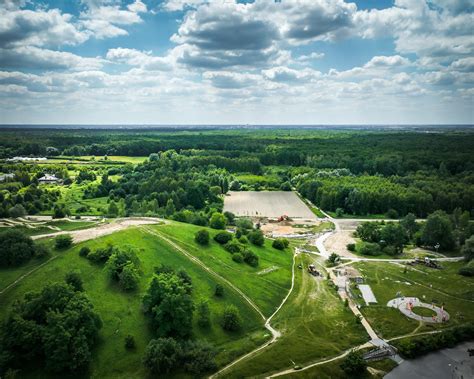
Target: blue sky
[233, 62]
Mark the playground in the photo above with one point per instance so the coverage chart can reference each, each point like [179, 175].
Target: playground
[407, 306]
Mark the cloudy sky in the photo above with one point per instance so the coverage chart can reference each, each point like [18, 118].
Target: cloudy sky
[234, 62]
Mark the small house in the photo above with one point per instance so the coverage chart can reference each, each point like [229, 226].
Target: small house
[48, 179]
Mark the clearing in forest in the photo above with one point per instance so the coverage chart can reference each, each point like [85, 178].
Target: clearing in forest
[267, 204]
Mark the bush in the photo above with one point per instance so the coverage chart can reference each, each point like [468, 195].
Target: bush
[217, 221]
[63, 241]
[256, 237]
[392, 213]
[351, 247]
[202, 237]
[41, 251]
[368, 248]
[231, 319]
[101, 255]
[162, 355]
[73, 278]
[84, 252]
[466, 271]
[354, 364]
[219, 291]
[198, 357]
[223, 237]
[339, 212]
[280, 243]
[233, 247]
[17, 211]
[129, 342]
[243, 239]
[244, 223]
[250, 258]
[17, 248]
[237, 257]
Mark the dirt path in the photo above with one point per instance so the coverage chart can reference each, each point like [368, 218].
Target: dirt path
[275, 333]
[104, 229]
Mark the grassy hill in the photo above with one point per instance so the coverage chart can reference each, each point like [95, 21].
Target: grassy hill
[121, 312]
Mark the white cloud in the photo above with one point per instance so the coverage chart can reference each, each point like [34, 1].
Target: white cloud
[138, 58]
[314, 55]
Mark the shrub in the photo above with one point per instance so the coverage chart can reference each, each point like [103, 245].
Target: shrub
[63, 241]
[84, 252]
[237, 257]
[233, 247]
[15, 248]
[256, 237]
[351, 247]
[392, 213]
[280, 243]
[219, 291]
[129, 342]
[354, 364]
[368, 248]
[217, 221]
[202, 237]
[73, 278]
[250, 258]
[231, 319]
[223, 237]
[466, 271]
[244, 223]
[198, 357]
[41, 251]
[17, 211]
[101, 255]
[339, 212]
[243, 239]
[162, 355]
[203, 314]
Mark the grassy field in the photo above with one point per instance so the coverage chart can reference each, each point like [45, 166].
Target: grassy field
[266, 284]
[121, 312]
[45, 228]
[314, 323]
[445, 286]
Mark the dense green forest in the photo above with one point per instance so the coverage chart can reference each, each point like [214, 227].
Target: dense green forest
[358, 172]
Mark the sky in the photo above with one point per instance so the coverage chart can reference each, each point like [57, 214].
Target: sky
[236, 62]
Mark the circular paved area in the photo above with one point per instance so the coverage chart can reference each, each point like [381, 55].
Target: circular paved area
[405, 304]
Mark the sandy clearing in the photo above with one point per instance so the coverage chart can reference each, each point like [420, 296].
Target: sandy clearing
[337, 243]
[267, 204]
[104, 229]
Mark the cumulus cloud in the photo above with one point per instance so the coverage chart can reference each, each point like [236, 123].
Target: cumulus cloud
[314, 55]
[230, 80]
[138, 58]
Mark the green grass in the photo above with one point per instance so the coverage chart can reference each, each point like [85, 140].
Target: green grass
[121, 312]
[424, 312]
[266, 289]
[315, 324]
[441, 286]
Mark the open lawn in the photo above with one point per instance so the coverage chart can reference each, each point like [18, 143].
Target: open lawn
[267, 204]
[314, 324]
[266, 284]
[121, 312]
[445, 286]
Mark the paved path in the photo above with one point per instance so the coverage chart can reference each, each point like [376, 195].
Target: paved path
[402, 304]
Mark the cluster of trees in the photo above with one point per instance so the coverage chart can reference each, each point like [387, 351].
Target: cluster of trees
[440, 232]
[418, 346]
[17, 248]
[122, 265]
[169, 305]
[55, 328]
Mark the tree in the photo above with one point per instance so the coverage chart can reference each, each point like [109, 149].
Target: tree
[63, 241]
[244, 223]
[256, 237]
[369, 248]
[250, 258]
[169, 305]
[280, 243]
[230, 217]
[204, 314]
[394, 235]
[231, 319]
[113, 210]
[369, 231]
[238, 257]
[17, 210]
[354, 364]
[73, 278]
[202, 237]
[170, 208]
[468, 249]
[56, 327]
[438, 229]
[129, 342]
[198, 357]
[223, 237]
[219, 290]
[16, 248]
[129, 278]
[333, 258]
[409, 224]
[84, 252]
[162, 355]
[217, 221]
